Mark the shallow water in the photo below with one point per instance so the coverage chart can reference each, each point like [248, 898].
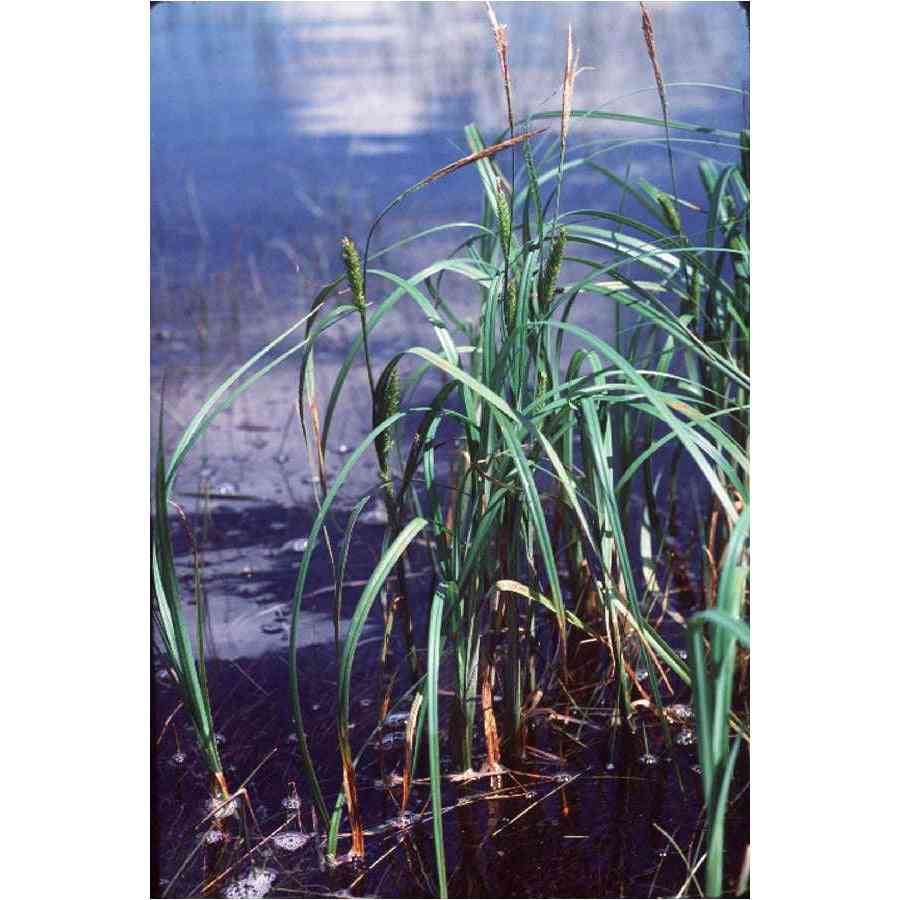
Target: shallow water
[583, 824]
[276, 129]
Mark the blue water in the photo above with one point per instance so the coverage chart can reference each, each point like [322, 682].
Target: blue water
[278, 127]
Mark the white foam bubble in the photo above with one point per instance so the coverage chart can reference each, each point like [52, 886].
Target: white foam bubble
[257, 883]
[392, 739]
[685, 737]
[291, 803]
[648, 759]
[681, 712]
[178, 758]
[222, 810]
[291, 840]
[404, 821]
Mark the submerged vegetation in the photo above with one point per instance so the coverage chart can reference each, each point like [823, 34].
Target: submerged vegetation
[546, 473]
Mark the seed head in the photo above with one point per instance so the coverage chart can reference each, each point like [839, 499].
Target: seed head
[670, 213]
[504, 219]
[387, 404]
[354, 271]
[511, 304]
[696, 287]
[551, 270]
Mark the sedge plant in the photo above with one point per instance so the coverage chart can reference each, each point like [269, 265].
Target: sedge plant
[515, 447]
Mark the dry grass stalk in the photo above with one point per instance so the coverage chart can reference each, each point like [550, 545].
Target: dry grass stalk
[650, 41]
[407, 762]
[669, 209]
[357, 849]
[565, 118]
[503, 54]
[491, 738]
[568, 88]
[481, 154]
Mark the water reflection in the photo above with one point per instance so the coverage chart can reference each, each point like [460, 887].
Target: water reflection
[278, 119]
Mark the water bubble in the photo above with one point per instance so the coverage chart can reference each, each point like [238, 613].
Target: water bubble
[178, 758]
[247, 572]
[391, 739]
[648, 759]
[610, 767]
[163, 676]
[291, 840]
[404, 821]
[685, 737]
[226, 487]
[365, 703]
[213, 836]
[342, 860]
[219, 737]
[697, 769]
[563, 777]
[641, 674]
[295, 546]
[396, 720]
[220, 809]
[343, 449]
[683, 654]
[680, 712]
[291, 803]
[257, 883]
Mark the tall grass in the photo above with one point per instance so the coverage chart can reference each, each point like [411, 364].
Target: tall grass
[551, 451]
[519, 446]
